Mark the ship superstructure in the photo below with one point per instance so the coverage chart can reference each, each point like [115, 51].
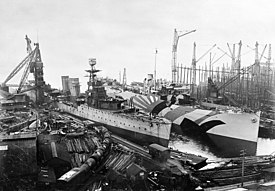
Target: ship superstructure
[99, 108]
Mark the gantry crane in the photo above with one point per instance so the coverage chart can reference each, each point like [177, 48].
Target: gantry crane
[217, 89]
[33, 64]
[4, 88]
[236, 64]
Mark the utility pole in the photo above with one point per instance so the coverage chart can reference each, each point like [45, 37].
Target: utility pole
[242, 155]
[194, 66]
[155, 72]
[268, 73]
[124, 80]
[120, 77]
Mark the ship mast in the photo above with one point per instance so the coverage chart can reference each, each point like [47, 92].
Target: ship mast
[92, 73]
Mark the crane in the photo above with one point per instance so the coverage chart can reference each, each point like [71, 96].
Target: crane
[236, 64]
[254, 69]
[228, 82]
[194, 65]
[25, 62]
[33, 64]
[174, 52]
[194, 61]
[257, 52]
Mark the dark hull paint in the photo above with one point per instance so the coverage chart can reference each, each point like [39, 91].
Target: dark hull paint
[267, 132]
[187, 126]
[220, 145]
[234, 146]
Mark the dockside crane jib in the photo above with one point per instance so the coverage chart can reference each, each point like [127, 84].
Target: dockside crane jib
[33, 64]
[194, 67]
[174, 52]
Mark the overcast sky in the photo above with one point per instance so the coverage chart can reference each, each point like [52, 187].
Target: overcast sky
[125, 33]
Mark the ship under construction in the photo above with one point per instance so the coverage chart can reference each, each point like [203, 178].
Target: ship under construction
[250, 86]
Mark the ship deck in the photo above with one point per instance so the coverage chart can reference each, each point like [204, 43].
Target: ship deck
[130, 112]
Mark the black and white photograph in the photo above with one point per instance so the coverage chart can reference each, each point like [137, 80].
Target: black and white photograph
[137, 95]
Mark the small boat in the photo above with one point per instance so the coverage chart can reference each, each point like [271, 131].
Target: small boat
[227, 175]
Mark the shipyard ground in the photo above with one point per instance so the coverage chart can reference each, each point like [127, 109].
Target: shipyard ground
[111, 180]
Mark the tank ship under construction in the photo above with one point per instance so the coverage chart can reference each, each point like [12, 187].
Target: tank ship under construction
[98, 107]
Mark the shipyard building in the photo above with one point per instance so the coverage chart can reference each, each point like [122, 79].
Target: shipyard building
[70, 86]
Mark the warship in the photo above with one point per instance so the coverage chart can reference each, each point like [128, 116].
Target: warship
[112, 112]
[222, 127]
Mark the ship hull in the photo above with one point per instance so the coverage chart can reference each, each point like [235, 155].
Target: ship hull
[225, 129]
[233, 146]
[139, 138]
[243, 126]
[137, 129]
[267, 132]
[238, 131]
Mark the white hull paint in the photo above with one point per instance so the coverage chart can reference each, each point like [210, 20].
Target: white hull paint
[231, 124]
[134, 126]
[229, 130]
[242, 126]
